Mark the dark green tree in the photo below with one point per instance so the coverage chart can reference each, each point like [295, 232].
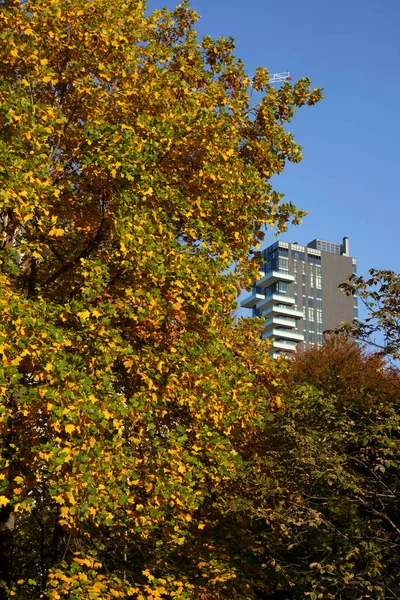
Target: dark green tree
[380, 295]
[317, 510]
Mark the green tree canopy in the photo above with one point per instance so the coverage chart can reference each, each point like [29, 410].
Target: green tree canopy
[380, 295]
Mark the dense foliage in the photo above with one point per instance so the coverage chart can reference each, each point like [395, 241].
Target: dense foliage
[134, 174]
[149, 446]
[318, 509]
[380, 296]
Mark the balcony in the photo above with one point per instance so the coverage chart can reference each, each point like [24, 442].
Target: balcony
[276, 310]
[280, 354]
[273, 277]
[275, 299]
[280, 334]
[279, 322]
[251, 300]
[283, 345]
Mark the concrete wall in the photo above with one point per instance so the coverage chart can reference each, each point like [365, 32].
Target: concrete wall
[336, 306]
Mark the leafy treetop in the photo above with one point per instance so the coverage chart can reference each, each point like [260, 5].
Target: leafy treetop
[380, 295]
[134, 175]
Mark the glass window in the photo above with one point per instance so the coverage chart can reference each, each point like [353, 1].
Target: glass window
[318, 283]
[311, 314]
[282, 287]
[283, 264]
[319, 316]
[267, 266]
[297, 255]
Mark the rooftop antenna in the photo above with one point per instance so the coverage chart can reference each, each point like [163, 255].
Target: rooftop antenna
[280, 77]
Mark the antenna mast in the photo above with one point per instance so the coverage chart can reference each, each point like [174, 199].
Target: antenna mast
[279, 77]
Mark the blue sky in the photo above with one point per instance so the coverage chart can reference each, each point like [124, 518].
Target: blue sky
[349, 178]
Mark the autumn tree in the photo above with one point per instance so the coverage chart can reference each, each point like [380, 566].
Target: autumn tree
[317, 507]
[134, 183]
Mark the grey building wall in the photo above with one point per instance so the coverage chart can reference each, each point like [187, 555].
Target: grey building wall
[336, 306]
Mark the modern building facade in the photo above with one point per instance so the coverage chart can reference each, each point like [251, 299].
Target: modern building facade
[298, 293]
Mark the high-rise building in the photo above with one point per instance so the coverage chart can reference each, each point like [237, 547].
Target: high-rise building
[298, 293]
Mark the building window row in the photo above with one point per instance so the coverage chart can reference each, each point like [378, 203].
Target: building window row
[283, 264]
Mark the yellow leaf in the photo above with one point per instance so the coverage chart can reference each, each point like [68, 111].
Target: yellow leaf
[4, 501]
[83, 315]
[64, 511]
[56, 232]
[70, 428]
